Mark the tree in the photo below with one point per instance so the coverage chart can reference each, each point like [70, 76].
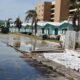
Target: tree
[18, 23]
[8, 22]
[76, 15]
[32, 15]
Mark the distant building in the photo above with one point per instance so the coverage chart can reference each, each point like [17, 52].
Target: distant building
[56, 11]
[2, 23]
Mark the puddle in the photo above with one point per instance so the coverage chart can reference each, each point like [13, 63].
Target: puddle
[26, 43]
[13, 67]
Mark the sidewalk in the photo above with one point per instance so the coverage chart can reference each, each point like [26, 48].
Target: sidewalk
[59, 68]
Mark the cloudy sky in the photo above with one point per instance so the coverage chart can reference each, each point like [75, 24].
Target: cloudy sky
[15, 8]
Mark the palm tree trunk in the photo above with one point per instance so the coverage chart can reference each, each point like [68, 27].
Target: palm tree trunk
[15, 29]
[25, 30]
[19, 29]
[35, 27]
[32, 29]
[34, 44]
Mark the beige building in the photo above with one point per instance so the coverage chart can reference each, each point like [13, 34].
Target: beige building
[56, 11]
[43, 11]
[61, 10]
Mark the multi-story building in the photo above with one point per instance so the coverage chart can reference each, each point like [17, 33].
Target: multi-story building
[52, 11]
[43, 11]
[57, 11]
[61, 10]
[72, 9]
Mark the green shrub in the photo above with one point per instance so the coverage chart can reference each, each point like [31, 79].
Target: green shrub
[71, 78]
[4, 30]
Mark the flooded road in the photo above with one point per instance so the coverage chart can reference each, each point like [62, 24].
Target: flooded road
[26, 43]
[13, 67]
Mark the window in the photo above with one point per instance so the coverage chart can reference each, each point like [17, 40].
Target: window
[52, 6]
[52, 11]
[52, 16]
[56, 31]
[64, 31]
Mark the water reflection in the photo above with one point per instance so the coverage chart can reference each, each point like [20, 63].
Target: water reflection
[17, 44]
[26, 43]
[12, 67]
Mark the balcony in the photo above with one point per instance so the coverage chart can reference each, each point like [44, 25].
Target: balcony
[52, 11]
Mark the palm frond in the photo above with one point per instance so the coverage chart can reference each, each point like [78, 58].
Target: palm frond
[30, 11]
[28, 17]
[32, 15]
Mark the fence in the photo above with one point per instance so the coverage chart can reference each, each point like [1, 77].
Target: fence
[71, 38]
[78, 37]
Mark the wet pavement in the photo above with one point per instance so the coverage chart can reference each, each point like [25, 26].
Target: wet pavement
[26, 43]
[14, 67]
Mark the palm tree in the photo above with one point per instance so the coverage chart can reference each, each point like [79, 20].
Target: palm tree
[76, 16]
[18, 23]
[8, 22]
[32, 15]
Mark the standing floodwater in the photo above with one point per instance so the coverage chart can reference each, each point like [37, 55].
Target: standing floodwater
[13, 67]
[26, 43]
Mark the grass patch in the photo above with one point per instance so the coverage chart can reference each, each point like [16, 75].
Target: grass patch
[37, 37]
[71, 78]
[26, 35]
[57, 41]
